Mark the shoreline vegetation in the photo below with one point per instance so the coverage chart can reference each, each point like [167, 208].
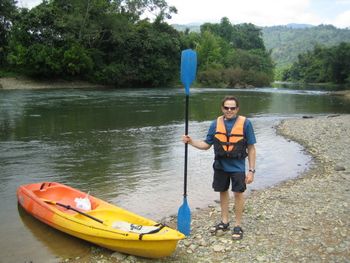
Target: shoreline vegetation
[306, 219]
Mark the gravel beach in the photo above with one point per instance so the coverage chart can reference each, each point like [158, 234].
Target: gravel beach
[302, 220]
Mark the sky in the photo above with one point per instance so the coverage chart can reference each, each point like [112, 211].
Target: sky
[257, 12]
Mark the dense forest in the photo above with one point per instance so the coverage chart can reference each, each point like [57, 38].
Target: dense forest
[108, 42]
[322, 65]
[97, 40]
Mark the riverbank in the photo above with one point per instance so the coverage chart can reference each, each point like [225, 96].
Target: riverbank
[302, 220]
[342, 93]
[11, 83]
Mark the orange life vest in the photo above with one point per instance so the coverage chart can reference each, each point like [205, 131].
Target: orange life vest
[233, 144]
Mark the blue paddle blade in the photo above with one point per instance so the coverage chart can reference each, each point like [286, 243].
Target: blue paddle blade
[184, 218]
[188, 68]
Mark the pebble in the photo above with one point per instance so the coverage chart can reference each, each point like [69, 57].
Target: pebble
[339, 168]
[218, 248]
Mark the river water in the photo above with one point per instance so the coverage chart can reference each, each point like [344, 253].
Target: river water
[124, 146]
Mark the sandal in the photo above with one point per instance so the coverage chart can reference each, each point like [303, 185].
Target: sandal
[220, 227]
[237, 233]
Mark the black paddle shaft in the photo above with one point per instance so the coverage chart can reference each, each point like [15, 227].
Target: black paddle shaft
[186, 144]
[80, 212]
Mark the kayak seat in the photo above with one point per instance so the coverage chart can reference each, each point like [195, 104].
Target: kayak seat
[61, 195]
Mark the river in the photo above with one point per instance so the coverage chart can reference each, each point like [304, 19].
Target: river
[124, 146]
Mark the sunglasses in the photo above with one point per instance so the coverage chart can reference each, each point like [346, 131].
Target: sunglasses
[230, 108]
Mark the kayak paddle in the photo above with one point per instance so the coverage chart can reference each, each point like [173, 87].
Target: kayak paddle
[74, 209]
[188, 75]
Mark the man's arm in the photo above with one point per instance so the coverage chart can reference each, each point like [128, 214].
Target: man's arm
[199, 144]
[251, 163]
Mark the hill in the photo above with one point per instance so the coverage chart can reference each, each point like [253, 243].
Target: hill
[287, 42]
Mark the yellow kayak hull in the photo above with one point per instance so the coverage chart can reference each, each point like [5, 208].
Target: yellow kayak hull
[54, 204]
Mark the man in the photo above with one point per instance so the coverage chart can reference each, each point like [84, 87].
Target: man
[233, 139]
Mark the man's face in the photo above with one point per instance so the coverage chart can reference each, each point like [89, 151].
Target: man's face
[230, 109]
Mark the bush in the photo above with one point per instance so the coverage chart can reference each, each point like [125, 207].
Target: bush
[258, 79]
[76, 61]
[110, 75]
[210, 77]
[233, 76]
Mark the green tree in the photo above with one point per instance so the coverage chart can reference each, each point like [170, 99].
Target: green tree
[189, 39]
[209, 50]
[233, 55]
[100, 40]
[247, 36]
[241, 36]
[159, 8]
[41, 47]
[8, 13]
[77, 61]
[341, 63]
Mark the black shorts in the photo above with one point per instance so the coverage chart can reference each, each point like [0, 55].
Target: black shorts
[221, 182]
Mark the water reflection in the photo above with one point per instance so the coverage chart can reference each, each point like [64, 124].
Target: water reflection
[55, 242]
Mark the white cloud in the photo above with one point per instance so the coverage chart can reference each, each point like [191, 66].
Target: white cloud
[346, 2]
[28, 3]
[261, 12]
[270, 12]
[343, 20]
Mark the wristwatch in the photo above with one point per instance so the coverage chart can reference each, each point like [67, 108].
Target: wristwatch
[252, 170]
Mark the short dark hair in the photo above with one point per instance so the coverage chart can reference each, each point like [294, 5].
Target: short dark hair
[230, 98]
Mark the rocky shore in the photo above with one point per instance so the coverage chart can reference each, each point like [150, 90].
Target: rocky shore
[302, 220]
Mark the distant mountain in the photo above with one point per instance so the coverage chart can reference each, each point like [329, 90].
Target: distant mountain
[192, 27]
[296, 26]
[286, 42]
[195, 27]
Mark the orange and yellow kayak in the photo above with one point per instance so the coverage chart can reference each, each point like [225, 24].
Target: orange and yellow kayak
[99, 222]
